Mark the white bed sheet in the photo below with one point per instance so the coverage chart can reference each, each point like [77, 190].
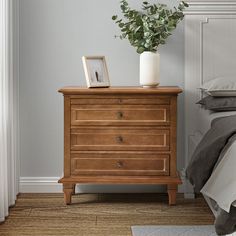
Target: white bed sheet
[221, 186]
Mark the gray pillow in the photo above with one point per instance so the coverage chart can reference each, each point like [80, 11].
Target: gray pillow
[223, 86]
[218, 103]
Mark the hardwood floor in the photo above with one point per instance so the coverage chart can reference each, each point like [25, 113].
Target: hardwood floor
[99, 214]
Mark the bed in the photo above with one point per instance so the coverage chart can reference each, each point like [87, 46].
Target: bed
[211, 169]
[206, 118]
[210, 34]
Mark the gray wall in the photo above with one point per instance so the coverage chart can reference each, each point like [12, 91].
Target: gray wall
[54, 35]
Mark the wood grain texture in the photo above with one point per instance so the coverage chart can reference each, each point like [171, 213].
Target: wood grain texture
[127, 179]
[99, 214]
[119, 114]
[67, 118]
[120, 100]
[95, 158]
[128, 119]
[120, 139]
[120, 90]
[172, 190]
[156, 165]
[173, 136]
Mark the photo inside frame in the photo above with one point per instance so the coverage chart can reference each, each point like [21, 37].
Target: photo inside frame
[97, 71]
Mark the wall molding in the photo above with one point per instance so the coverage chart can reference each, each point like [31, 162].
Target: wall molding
[207, 20]
[15, 17]
[51, 185]
[202, 23]
[211, 7]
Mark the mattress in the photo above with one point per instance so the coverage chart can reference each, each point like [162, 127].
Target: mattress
[205, 118]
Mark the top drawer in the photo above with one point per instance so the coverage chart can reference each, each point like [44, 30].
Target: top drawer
[120, 110]
[126, 100]
[120, 115]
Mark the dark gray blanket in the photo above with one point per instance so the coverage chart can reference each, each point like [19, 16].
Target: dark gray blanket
[206, 156]
[208, 150]
[225, 223]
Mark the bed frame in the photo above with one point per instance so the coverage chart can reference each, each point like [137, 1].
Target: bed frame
[210, 51]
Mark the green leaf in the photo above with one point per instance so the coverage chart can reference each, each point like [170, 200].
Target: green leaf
[114, 17]
[148, 28]
[140, 50]
[137, 29]
[185, 4]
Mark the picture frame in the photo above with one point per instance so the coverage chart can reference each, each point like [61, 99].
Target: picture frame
[96, 72]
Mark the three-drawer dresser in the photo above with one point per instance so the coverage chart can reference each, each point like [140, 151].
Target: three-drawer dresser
[120, 135]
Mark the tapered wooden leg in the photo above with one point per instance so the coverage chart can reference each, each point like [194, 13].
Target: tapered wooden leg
[172, 190]
[68, 190]
[73, 189]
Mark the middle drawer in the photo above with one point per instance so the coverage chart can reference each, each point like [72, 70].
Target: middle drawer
[117, 138]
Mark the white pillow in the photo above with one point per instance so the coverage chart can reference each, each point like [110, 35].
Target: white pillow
[221, 86]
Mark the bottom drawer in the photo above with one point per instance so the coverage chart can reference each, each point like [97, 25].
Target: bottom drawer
[119, 164]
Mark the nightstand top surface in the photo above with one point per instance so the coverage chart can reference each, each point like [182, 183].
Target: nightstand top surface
[121, 90]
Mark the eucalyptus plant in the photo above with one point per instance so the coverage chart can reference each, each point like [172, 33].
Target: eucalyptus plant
[150, 27]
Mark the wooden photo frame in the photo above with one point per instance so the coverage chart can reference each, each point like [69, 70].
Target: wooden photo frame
[96, 73]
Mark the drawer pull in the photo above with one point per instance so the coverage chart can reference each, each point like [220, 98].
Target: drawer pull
[119, 139]
[120, 115]
[119, 164]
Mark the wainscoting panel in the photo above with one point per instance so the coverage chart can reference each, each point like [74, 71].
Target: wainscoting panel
[210, 34]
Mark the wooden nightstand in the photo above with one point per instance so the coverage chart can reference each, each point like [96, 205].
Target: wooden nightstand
[120, 135]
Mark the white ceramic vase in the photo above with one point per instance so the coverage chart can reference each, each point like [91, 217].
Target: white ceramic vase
[149, 69]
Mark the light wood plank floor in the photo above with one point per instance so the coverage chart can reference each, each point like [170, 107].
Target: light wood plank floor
[99, 214]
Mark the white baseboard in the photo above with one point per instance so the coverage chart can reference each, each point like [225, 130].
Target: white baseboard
[40, 185]
[51, 185]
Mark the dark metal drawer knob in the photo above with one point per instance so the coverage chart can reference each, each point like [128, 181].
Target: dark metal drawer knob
[119, 164]
[120, 115]
[119, 139]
